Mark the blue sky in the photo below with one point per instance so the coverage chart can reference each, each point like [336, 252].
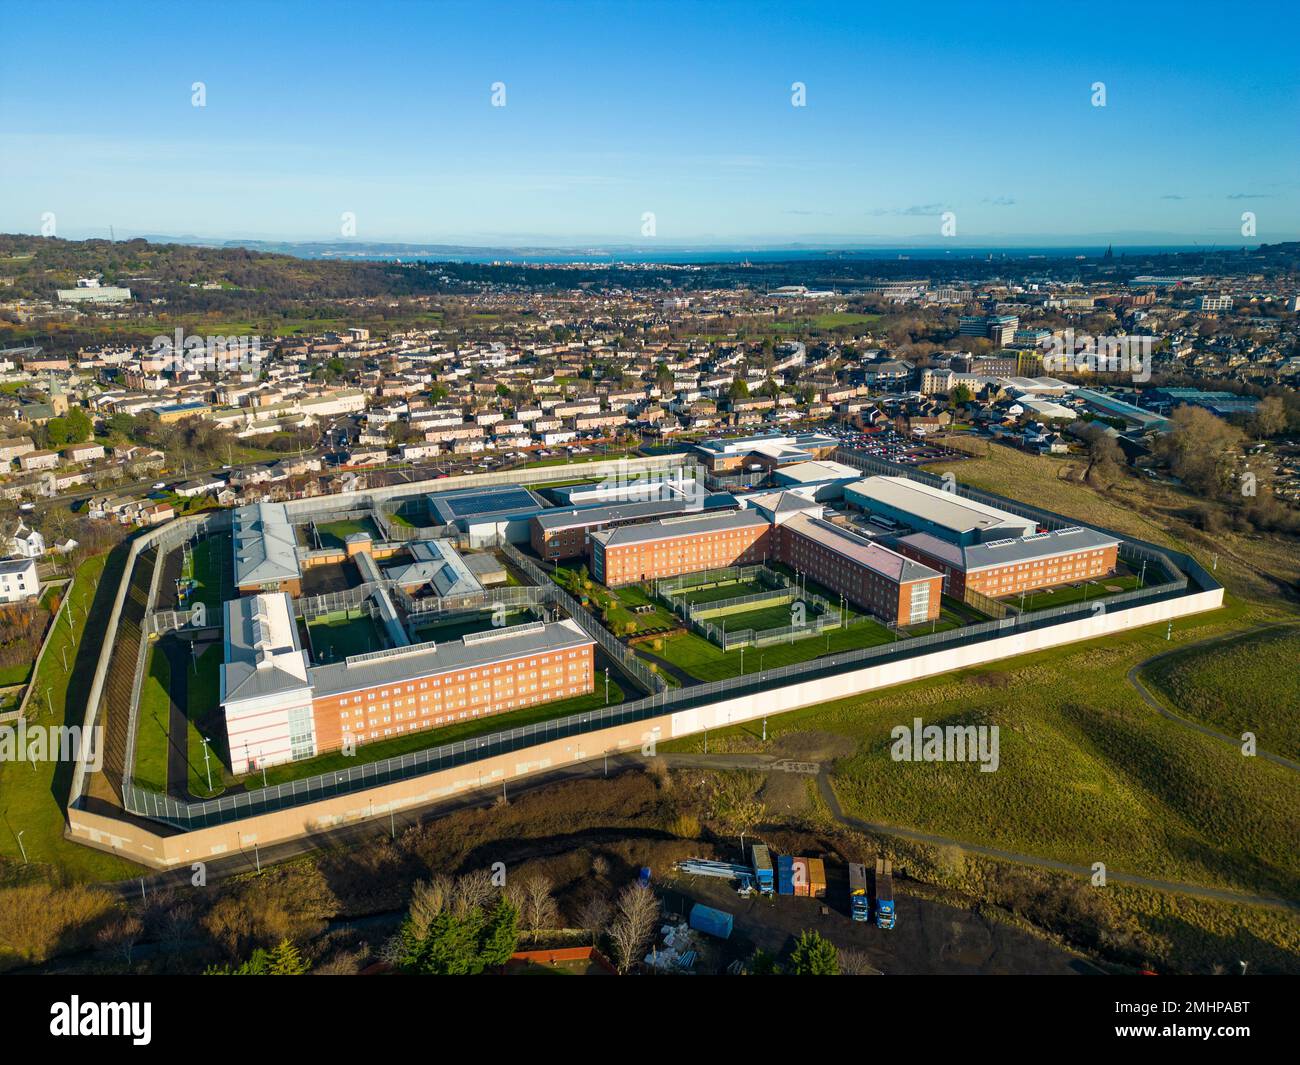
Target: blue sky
[684, 110]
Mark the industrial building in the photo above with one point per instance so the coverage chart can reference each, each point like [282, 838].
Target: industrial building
[279, 708]
[922, 508]
[1013, 565]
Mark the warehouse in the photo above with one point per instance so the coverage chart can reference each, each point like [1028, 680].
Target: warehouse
[279, 708]
[679, 545]
[1014, 565]
[946, 515]
[892, 586]
[769, 451]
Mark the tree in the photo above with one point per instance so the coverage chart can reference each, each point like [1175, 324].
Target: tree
[539, 910]
[285, 960]
[814, 955]
[79, 426]
[635, 916]
[501, 935]
[1104, 454]
[738, 389]
[1269, 419]
[1201, 449]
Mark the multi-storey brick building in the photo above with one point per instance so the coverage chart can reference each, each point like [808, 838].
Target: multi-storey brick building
[1013, 565]
[280, 708]
[563, 533]
[679, 545]
[868, 574]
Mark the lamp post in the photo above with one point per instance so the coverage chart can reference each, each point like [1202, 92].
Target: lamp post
[21, 847]
[207, 765]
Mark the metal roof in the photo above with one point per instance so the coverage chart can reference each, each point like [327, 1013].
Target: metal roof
[266, 548]
[869, 553]
[1012, 549]
[945, 509]
[673, 528]
[402, 664]
[262, 653]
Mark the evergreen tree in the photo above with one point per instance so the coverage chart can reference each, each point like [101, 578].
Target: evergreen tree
[814, 956]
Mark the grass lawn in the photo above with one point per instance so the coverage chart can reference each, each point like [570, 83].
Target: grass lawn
[1248, 685]
[32, 796]
[1087, 771]
[204, 720]
[335, 533]
[465, 624]
[419, 741]
[718, 592]
[152, 723]
[769, 617]
[616, 606]
[205, 564]
[705, 661]
[1074, 593]
[336, 636]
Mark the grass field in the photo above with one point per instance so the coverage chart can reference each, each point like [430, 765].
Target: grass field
[1248, 685]
[706, 661]
[336, 636]
[419, 741]
[32, 795]
[616, 606]
[152, 723]
[205, 565]
[465, 624]
[1087, 771]
[1063, 595]
[203, 717]
[718, 592]
[335, 533]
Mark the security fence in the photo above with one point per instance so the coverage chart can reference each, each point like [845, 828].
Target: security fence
[187, 815]
[1183, 575]
[610, 643]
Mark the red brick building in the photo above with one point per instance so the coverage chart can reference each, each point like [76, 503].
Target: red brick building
[679, 545]
[1021, 564]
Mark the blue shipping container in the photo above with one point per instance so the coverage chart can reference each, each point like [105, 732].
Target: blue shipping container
[713, 922]
[785, 874]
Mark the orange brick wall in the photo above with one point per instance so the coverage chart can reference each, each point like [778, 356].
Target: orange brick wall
[668, 557]
[386, 711]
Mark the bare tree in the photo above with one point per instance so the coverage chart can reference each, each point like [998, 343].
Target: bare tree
[122, 935]
[856, 963]
[634, 921]
[539, 906]
[472, 891]
[428, 899]
[593, 918]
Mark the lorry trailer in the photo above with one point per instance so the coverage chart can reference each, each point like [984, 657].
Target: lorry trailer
[859, 900]
[884, 893]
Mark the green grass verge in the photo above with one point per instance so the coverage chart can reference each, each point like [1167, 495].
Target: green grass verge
[32, 795]
[1088, 772]
[152, 723]
[419, 741]
[1248, 685]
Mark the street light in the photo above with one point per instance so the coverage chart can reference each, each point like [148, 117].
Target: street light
[21, 847]
[207, 766]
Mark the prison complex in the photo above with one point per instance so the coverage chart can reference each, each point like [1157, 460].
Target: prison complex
[279, 708]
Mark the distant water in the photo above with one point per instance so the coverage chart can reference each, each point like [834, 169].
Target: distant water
[688, 256]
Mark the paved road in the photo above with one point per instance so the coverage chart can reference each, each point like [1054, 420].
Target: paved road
[1232, 741]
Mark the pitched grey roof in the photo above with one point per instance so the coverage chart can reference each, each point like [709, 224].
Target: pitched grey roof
[690, 525]
[1012, 549]
[869, 553]
[265, 546]
[262, 653]
[404, 664]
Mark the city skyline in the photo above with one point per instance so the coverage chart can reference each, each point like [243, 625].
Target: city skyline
[907, 121]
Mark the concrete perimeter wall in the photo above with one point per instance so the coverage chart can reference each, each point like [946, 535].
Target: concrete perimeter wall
[143, 845]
